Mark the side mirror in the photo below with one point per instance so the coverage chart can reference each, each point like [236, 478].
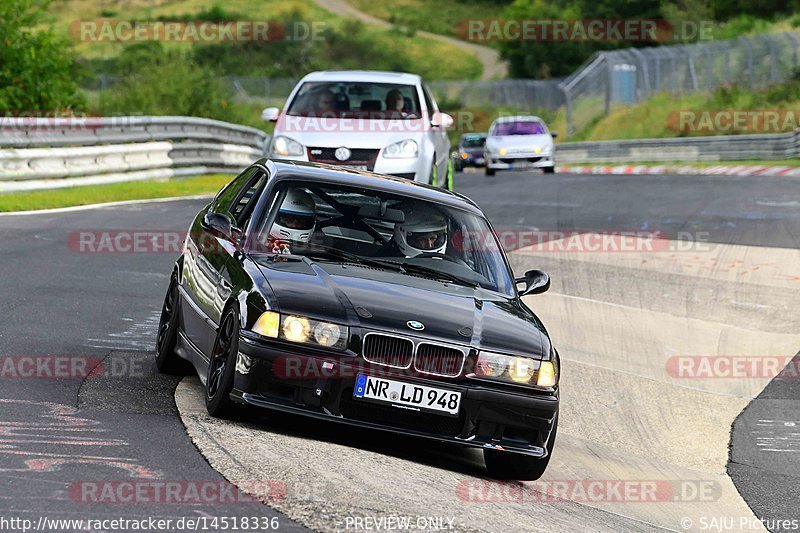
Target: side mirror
[536, 282]
[441, 120]
[270, 114]
[219, 223]
[554, 134]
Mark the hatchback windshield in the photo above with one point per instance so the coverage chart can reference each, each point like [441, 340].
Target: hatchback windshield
[356, 99]
[473, 141]
[529, 127]
[382, 230]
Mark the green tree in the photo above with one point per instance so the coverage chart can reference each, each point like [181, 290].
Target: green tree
[37, 68]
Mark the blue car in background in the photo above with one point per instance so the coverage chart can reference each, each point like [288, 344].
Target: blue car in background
[470, 151]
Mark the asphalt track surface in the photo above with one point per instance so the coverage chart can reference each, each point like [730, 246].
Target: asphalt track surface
[618, 319]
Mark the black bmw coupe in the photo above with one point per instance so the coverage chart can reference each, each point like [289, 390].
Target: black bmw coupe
[367, 300]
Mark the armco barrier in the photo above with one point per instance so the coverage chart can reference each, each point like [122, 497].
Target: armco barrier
[683, 149]
[49, 153]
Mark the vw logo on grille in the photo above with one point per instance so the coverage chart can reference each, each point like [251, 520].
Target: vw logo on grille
[342, 154]
[416, 326]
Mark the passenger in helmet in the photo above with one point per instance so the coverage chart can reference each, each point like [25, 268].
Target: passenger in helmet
[424, 230]
[296, 218]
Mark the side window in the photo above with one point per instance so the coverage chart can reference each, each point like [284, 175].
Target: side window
[429, 102]
[242, 208]
[226, 196]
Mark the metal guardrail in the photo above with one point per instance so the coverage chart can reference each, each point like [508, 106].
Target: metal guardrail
[49, 153]
[684, 149]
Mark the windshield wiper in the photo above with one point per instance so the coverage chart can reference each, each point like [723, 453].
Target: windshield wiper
[325, 252]
[438, 274]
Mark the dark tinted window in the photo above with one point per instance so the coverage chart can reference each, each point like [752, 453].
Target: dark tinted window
[226, 196]
[243, 207]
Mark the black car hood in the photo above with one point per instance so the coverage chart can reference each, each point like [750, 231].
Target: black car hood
[385, 300]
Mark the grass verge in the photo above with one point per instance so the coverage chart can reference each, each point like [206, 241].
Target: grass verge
[113, 192]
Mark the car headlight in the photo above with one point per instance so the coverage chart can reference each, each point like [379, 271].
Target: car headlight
[403, 149]
[502, 151]
[286, 146]
[295, 328]
[516, 369]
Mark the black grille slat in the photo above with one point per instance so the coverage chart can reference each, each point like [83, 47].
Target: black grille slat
[388, 351]
[439, 360]
[358, 156]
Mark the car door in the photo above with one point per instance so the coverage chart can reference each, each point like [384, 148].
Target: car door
[207, 251]
[439, 137]
[233, 276]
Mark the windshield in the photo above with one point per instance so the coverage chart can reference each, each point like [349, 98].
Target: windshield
[473, 141]
[406, 235]
[356, 100]
[528, 127]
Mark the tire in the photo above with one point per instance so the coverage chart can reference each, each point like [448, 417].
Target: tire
[221, 367]
[167, 361]
[488, 171]
[549, 170]
[513, 466]
[458, 168]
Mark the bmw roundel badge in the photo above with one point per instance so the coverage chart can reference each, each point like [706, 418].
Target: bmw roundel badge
[415, 325]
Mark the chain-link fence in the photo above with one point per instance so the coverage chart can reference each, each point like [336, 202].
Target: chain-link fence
[634, 75]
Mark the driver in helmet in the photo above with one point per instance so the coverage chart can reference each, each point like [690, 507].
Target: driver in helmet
[295, 221]
[424, 230]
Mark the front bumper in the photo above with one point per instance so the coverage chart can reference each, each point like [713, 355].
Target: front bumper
[519, 161]
[472, 160]
[519, 422]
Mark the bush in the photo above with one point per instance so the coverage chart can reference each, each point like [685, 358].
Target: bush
[38, 68]
[168, 83]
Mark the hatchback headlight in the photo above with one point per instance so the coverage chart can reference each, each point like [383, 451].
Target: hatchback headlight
[516, 369]
[403, 149]
[300, 329]
[286, 146]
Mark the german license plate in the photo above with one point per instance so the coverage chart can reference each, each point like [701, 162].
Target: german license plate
[408, 396]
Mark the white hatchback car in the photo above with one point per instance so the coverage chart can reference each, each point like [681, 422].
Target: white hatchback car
[519, 143]
[385, 122]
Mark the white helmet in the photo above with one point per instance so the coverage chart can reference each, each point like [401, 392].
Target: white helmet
[296, 218]
[424, 230]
